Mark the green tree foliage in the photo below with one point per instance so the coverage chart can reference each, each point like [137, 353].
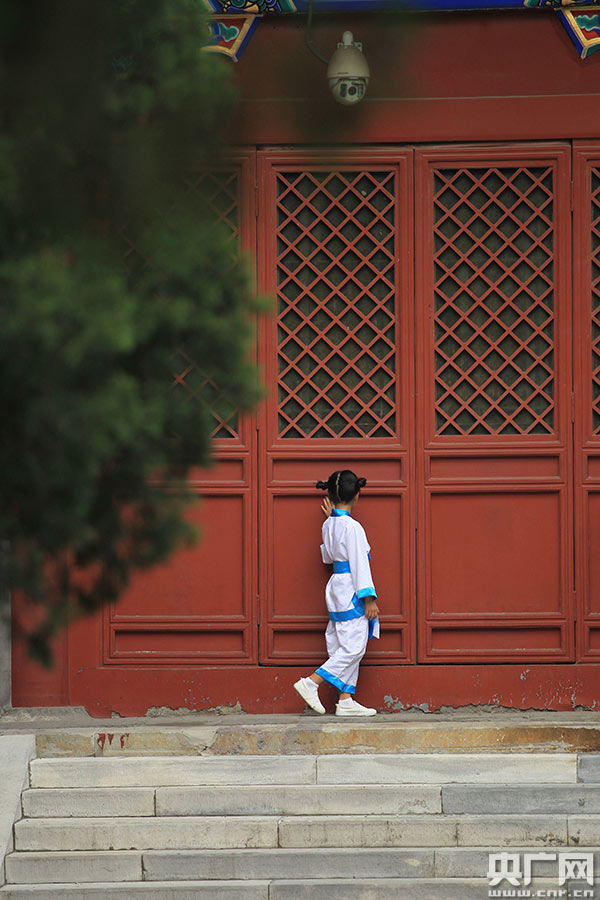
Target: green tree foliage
[112, 271]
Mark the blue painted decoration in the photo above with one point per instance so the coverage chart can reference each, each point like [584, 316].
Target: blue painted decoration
[583, 27]
[233, 21]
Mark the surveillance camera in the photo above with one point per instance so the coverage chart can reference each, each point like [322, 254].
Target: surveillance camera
[348, 71]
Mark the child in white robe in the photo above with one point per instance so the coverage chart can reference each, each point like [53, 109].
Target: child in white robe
[350, 596]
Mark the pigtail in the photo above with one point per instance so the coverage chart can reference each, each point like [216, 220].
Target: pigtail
[342, 485]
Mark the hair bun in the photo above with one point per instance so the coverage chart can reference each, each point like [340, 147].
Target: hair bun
[322, 485]
[361, 482]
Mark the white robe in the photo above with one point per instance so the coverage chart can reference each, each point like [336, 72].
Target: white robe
[345, 541]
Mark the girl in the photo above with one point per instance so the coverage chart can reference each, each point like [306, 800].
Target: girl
[350, 597]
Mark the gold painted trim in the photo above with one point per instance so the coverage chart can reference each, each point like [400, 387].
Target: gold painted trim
[586, 43]
[232, 51]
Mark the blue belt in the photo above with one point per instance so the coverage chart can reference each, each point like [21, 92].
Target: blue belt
[341, 567]
[357, 611]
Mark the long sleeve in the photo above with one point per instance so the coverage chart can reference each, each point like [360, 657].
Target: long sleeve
[358, 557]
[325, 555]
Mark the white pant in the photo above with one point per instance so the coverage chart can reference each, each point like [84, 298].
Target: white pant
[346, 645]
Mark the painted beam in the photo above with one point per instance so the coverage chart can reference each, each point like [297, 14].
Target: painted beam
[232, 22]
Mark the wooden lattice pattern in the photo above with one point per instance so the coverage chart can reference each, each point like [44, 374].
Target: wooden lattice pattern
[336, 277]
[218, 191]
[494, 300]
[595, 310]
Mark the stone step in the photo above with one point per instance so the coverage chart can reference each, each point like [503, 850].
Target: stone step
[284, 800]
[191, 890]
[442, 768]
[245, 800]
[73, 866]
[131, 833]
[258, 865]
[314, 889]
[527, 798]
[397, 889]
[423, 831]
[220, 832]
[308, 799]
[161, 771]
[589, 767]
[474, 862]
[387, 862]
[55, 802]
[409, 732]
[223, 865]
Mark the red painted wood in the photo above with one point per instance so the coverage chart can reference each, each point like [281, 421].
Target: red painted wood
[32, 683]
[455, 78]
[266, 689]
[494, 374]
[329, 348]
[495, 520]
[452, 77]
[199, 608]
[586, 227]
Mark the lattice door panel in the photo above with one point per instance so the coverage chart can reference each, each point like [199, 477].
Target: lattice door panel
[162, 619]
[494, 300]
[494, 319]
[336, 272]
[218, 194]
[336, 239]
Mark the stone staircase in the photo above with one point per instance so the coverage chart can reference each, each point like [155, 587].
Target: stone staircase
[304, 827]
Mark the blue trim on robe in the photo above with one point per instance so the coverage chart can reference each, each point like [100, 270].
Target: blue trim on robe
[339, 512]
[336, 682]
[357, 611]
[345, 616]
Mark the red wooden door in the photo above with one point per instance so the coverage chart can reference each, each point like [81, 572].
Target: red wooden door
[335, 247]
[200, 608]
[586, 287]
[494, 410]
[422, 338]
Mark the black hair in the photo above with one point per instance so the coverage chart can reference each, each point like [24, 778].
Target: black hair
[342, 486]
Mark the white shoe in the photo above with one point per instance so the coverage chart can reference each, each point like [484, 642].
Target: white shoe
[354, 709]
[310, 695]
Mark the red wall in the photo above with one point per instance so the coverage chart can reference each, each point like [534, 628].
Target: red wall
[434, 77]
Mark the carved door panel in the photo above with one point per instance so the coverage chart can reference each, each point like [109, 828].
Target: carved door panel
[494, 413]
[335, 252]
[200, 607]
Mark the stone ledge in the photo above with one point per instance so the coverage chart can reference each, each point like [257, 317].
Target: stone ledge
[191, 890]
[307, 735]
